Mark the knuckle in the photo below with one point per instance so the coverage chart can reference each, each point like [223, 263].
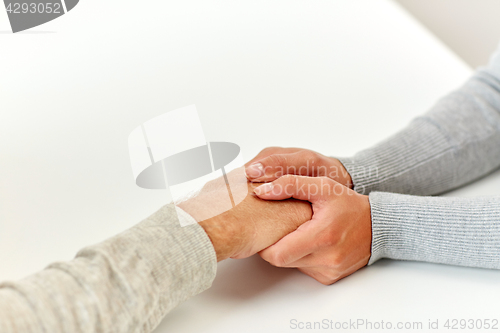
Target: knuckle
[326, 180]
[325, 282]
[328, 282]
[274, 164]
[334, 276]
[328, 243]
[331, 188]
[275, 160]
[326, 184]
[264, 254]
[277, 259]
[330, 276]
[309, 155]
[336, 261]
[289, 179]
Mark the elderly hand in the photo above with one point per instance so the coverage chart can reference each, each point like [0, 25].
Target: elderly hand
[336, 242]
[250, 226]
[274, 162]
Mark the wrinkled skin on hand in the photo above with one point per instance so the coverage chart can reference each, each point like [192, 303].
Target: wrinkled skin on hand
[249, 227]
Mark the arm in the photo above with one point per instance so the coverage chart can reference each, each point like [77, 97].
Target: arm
[349, 230]
[456, 142]
[129, 282]
[124, 284]
[455, 231]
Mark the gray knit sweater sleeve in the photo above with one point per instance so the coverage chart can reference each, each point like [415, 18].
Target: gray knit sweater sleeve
[124, 284]
[455, 143]
[456, 231]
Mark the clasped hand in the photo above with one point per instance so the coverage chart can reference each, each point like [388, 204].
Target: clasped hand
[304, 216]
[336, 241]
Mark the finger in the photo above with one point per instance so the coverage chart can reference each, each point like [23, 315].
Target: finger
[312, 189]
[270, 151]
[273, 166]
[316, 274]
[307, 261]
[292, 247]
[301, 245]
[327, 271]
[302, 241]
[305, 258]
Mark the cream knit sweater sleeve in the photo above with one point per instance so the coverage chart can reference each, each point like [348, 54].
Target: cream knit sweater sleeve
[124, 284]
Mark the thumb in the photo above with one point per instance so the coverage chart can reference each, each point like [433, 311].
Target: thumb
[310, 189]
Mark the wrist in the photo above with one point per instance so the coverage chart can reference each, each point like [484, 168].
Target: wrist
[226, 238]
[343, 176]
[358, 174]
[365, 232]
[250, 226]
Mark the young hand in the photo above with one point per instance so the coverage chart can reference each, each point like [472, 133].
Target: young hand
[274, 162]
[336, 242]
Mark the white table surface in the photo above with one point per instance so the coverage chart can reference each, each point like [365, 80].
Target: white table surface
[333, 76]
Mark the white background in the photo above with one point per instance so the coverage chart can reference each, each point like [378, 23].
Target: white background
[333, 76]
[471, 28]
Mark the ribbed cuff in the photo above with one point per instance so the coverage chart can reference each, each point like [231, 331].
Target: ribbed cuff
[184, 218]
[457, 231]
[360, 172]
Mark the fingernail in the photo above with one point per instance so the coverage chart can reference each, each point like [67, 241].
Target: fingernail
[262, 189]
[255, 170]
